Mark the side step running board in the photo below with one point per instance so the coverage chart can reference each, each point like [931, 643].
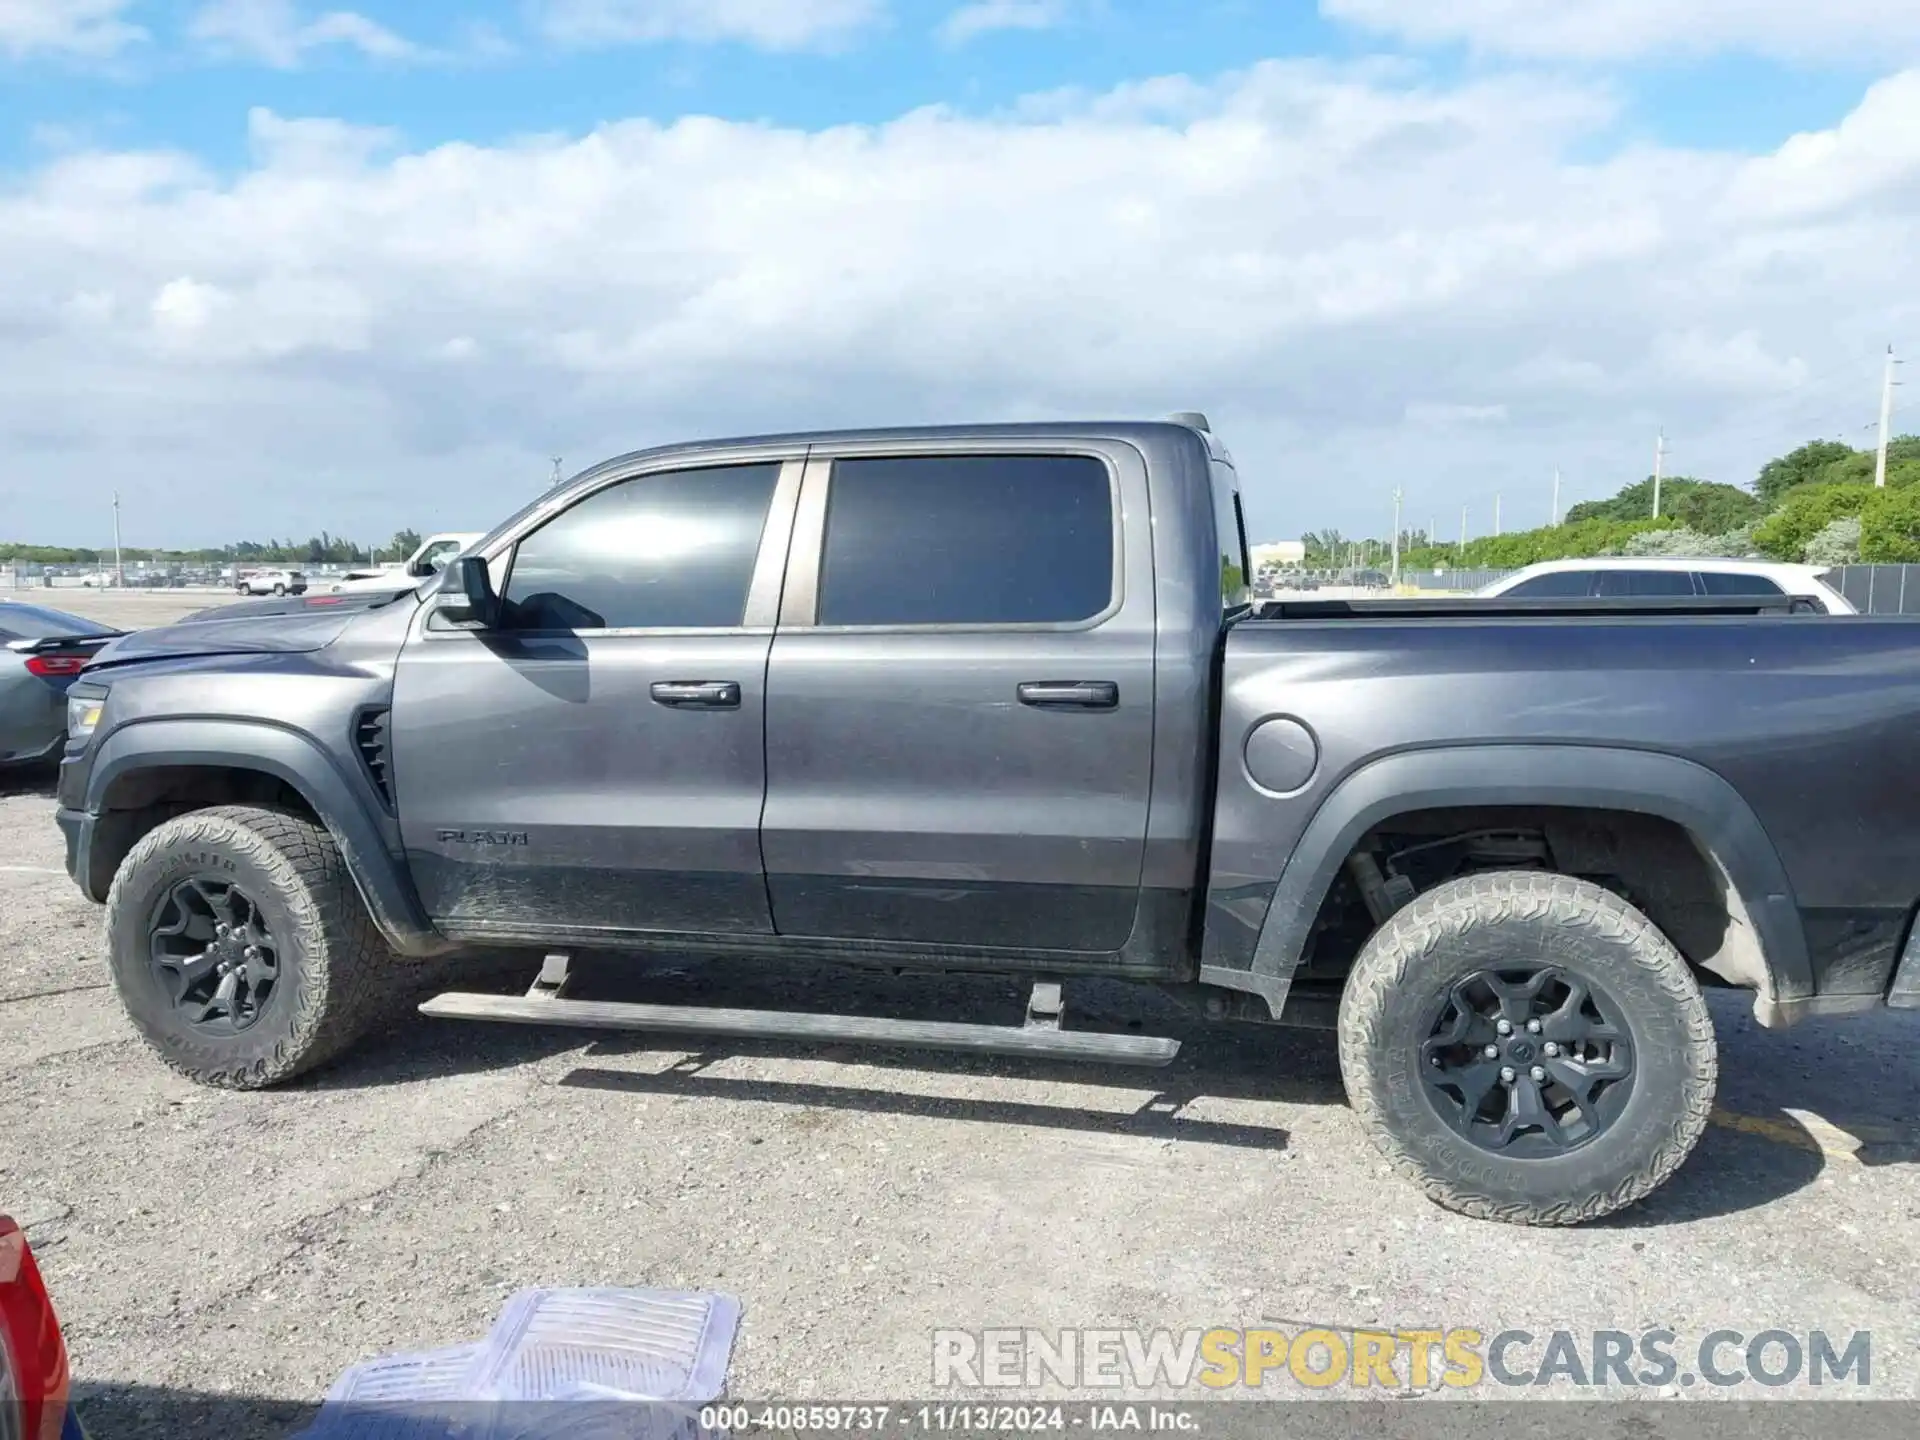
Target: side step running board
[1039, 1038]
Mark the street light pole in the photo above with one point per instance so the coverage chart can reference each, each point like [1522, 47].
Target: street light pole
[119, 570]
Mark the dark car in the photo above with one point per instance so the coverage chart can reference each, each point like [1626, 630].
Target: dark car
[41, 652]
[949, 700]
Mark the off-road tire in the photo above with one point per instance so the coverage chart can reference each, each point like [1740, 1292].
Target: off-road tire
[1406, 969]
[335, 967]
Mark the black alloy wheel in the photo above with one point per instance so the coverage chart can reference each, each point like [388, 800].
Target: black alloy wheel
[1528, 1061]
[211, 953]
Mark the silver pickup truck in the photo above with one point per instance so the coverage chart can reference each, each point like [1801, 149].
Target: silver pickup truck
[995, 698]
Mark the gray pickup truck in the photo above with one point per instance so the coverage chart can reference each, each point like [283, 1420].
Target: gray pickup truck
[995, 699]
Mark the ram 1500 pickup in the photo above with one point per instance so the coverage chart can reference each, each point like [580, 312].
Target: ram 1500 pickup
[995, 698]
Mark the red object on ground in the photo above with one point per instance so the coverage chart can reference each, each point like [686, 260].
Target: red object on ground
[33, 1357]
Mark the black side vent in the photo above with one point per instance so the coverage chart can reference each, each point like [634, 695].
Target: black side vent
[370, 738]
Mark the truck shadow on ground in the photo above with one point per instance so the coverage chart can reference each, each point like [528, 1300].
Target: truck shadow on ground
[36, 780]
[1756, 1152]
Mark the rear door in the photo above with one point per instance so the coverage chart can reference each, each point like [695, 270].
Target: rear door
[596, 766]
[960, 700]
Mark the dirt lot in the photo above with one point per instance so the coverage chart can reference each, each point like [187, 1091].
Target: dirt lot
[218, 1258]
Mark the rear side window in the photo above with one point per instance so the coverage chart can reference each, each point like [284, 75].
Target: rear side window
[1555, 585]
[1230, 525]
[1643, 582]
[967, 540]
[675, 550]
[1720, 582]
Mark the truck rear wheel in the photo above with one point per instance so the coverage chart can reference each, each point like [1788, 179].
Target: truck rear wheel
[1527, 1047]
[239, 946]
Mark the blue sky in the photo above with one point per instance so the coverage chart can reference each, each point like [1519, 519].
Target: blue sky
[370, 264]
[496, 71]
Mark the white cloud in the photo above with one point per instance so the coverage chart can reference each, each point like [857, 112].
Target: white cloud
[768, 24]
[274, 33]
[1365, 278]
[74, 27]
[984, 16]
[1621, 29]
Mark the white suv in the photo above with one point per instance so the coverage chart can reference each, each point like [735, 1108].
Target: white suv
[1578, 579]
[271, 582]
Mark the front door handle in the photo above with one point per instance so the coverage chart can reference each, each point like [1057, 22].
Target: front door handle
[697, 694]
[1070, 694]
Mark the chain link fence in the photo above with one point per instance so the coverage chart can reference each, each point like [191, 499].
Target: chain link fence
[1878, 589]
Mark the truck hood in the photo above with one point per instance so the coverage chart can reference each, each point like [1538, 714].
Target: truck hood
[279, 627]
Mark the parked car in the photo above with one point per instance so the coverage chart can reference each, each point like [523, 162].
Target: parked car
[1571, 579]
[425, 562]
[34, 1381]
[41, 651]
[948, 699]
[272, 582]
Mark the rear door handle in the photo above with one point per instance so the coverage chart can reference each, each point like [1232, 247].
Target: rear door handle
[1070, 694]
[697, 694]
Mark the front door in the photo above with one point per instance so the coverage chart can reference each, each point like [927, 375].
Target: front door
[960, 702]
[595, 766]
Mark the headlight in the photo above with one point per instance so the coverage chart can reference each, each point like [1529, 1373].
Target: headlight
[83, 714]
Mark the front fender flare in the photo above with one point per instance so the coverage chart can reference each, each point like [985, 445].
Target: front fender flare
[299, 761]
[1572, 776]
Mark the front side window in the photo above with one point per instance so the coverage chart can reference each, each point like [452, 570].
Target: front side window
[668, 551]
[1554, 585]
[1230, 528]
[967, 540]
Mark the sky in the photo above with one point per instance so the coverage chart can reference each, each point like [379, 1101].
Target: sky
[269, 267]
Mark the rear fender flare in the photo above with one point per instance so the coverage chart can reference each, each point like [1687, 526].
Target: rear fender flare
[1573, 776]
[301, 762]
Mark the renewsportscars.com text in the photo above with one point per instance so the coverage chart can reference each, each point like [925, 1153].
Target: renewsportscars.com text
[1459, 1358]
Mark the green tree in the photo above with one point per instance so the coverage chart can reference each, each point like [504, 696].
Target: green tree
[1890, 524]
[1838, 544]
[403, 544]
[1703, 505]
[1808, 510]
[1801, 467]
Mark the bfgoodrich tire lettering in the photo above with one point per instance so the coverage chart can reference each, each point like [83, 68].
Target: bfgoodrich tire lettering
[1404, 977]
[330, 960]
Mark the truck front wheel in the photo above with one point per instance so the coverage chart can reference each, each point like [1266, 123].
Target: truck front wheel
[239, 946]
[1527, 1047]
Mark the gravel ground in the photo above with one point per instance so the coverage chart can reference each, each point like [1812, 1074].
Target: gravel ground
[218, 1258]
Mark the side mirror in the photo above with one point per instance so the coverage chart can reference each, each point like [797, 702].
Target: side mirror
[422, 568]
[478, 608]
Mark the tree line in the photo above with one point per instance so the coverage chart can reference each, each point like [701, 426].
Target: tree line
[1817, 504]
[321, 549]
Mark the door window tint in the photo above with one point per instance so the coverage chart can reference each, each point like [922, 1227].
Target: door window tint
[1643, 582]
[1719, 582]
[658, 551]
[1555, 585]
[967, 540]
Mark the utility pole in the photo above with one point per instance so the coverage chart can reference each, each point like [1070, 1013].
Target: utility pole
[1463, 527]
[1886, 421]
[1556, 495]
[1396, 535]
[119, 570]
[1496, 514]
[554, 482]
[1659, 467]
